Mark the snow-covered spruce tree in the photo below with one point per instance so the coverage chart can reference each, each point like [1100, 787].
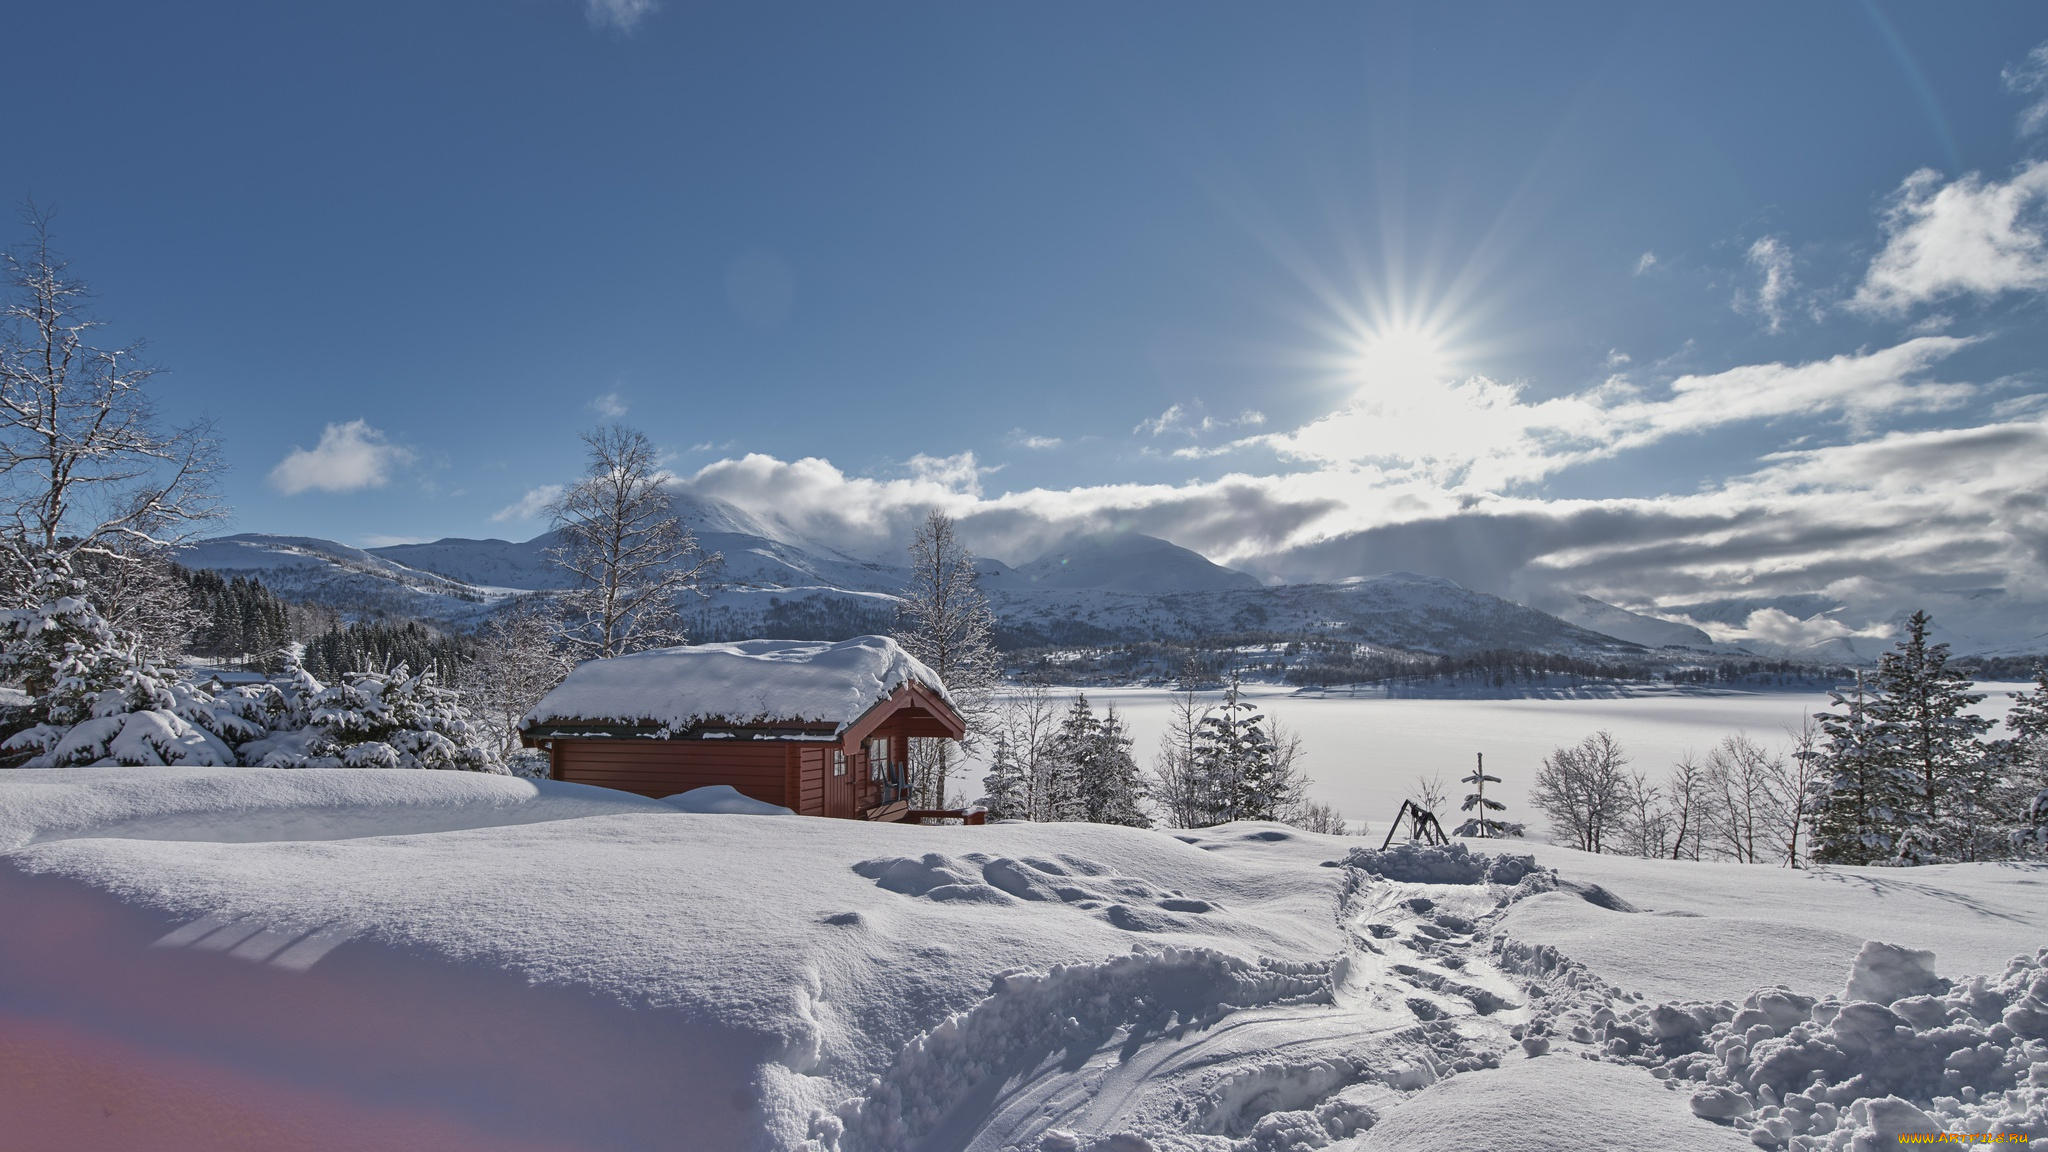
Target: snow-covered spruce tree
[1481, 823]
[391, 719]
[1113, 791]
[2022, 793]
[97, 696]
[1071, 755]
[1237, 773]
[944, 620]
[631, 557]
[1007, 784]
[1853, 819]
[1936, 765]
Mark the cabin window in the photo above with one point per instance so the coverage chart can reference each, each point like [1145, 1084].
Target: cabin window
[878, 758]
[839, 762]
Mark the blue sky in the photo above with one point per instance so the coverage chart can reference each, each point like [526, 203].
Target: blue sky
[1646, 301]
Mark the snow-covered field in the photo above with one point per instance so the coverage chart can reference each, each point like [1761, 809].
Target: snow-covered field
[1364, 752]
[249, 958]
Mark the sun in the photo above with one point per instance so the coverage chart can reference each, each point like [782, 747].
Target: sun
[1404, 354]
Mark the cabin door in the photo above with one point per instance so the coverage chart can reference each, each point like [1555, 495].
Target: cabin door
[839, 785]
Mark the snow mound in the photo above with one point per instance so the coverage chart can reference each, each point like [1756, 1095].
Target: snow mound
[249, 805]
[979, 878]
[1073, 1008]
[1886, 972]
[749, 682]
[1414, 863]
[1543, 1106]
[723, 799]
[1806, 1075]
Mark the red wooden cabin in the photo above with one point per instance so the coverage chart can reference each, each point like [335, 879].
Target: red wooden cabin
[820, 728]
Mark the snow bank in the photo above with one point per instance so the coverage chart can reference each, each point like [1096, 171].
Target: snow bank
[241, 805]
[1804, 1074]
[723, 799]
[750, 682]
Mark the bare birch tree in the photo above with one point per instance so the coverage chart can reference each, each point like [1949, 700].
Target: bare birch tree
[944, 620]
[1690, 804]
[1180, 791]
[631, 556]
[1580, 789]
[1740, 773]
[85, 467]
[518, 659]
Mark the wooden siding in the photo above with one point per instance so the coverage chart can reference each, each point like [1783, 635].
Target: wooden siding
[658, 768]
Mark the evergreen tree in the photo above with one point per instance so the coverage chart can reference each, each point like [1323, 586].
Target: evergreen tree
[1853, 819]
[97, 696]
[1009, 790]
[388, 719]
[1071, 755]
[1481, 823]
[1113, 790]
[2021, 797]
[1936, 765]
[1237, 775]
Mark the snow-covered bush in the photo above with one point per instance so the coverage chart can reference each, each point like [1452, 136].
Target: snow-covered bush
[391, 719]
[96, 697]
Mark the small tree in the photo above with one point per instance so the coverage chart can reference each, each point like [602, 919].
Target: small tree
[1026, 721]
[1429, 793]
[1740, 774]
[1690, 808]
[1854, 819]
[1236, 773]
[1007, 784]
[1580, 789]
[1481, 823]
[944, 621]
[1181, 792]
[517, 660]
[632, 558]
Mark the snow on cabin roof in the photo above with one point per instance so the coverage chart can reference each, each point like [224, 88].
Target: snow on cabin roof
[749, 682]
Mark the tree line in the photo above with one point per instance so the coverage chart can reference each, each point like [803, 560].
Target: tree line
[1897, 771]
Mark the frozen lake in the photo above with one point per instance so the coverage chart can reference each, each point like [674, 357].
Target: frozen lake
[1362, 752]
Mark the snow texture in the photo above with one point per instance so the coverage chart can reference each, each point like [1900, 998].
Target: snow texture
[243, 958]
[750, 682]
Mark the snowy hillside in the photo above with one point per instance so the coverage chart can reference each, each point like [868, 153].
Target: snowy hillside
[1634, 627]
[240, 958]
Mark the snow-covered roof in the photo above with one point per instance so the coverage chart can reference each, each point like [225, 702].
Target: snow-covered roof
[746, 683]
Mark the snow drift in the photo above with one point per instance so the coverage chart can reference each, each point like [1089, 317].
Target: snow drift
[240, 958]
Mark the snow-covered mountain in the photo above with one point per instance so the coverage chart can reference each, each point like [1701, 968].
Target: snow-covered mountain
[1092, 590]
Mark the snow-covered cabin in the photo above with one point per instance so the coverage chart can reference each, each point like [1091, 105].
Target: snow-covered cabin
[818, 727]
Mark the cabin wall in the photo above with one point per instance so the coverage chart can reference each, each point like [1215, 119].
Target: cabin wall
[659, 768]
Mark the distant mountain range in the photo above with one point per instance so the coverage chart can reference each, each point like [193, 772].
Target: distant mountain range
[1089, 591]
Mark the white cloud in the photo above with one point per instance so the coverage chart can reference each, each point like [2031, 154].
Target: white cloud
[1971, 237]
[2030, 77]
[1036, 443]
[1773, 262]
[618, 15]
[1480, 433]
[528, 507]
[376, 540]
[610, 406]
[1645, 262]
[1194, 419]
[349, 457]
